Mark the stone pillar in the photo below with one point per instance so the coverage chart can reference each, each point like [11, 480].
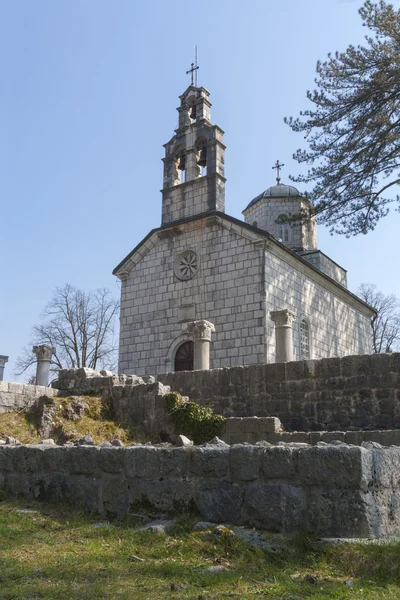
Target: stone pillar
[3, 360]
[283, 320]
[200, 332]
[43, 355]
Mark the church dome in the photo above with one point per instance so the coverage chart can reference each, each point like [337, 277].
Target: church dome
[276, 191]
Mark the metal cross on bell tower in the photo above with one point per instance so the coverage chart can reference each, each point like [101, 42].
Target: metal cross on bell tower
[194, 68]
[278, 167]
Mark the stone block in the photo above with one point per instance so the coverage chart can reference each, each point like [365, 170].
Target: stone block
[7, 458]
[314, 437]
[83, 459]
[274, 506]
[331, 436]
[28, 459]
[174, 462]
[220, 501]
[390, 438]
[166, 495]
[115, 497]
[84, 492]
[340, 513]
[275, 438]
[278, 462]
[249, 425]
[111, 460]
[245, 462]
[354, 437]
[210, 462]
[232, 425]
[335, 467]
[372, 436]
[142, 461]
[269, 424]
[299, 436]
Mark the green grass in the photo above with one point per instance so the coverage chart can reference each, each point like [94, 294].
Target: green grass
[57, 553]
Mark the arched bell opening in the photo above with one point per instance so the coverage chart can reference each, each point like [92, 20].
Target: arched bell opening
[201, 147]
[184, 357]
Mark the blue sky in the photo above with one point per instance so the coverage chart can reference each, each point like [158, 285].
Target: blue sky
[89, 90]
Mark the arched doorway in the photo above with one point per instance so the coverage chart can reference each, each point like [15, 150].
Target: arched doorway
[184, 357]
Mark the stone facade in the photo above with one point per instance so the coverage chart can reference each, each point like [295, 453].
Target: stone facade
[240, 280]
[331, 490]
[325, 264]
[202, 264]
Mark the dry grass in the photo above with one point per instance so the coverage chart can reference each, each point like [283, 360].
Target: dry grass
[15, 424]
[97, 422]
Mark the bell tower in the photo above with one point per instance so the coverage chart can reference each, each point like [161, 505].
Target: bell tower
[194, 181]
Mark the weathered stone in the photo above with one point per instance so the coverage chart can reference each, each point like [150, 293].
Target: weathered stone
[86, 440]
[220, 501]
[211, 461]
[117, 443]
[245, 462]
[276, 507]
[182, 440]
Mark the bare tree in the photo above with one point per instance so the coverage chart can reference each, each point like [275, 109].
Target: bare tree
[80, 327]
[386, 325]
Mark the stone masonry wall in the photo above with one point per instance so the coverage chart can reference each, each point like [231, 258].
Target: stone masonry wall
[336, 327]
[353, 392]
[17, 396]
[331, 490]
[227, 290]
[326, 265]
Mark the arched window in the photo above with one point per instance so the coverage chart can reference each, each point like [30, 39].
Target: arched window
[184, 357]
[283, 229]
[304, 339]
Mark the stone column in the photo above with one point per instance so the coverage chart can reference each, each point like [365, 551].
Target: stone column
[43, 355]
[200, 332]
[283, 320]
[3, 360]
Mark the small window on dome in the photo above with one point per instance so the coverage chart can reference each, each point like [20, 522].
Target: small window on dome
[283, 229]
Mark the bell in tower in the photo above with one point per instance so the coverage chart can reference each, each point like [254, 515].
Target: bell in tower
[195, 150]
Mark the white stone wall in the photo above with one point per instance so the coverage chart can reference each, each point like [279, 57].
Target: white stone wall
[326, 265]
[227, 291]
[185, 200]
[18, 396]
[336, 327]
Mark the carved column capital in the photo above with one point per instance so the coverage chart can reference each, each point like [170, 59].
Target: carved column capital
[282, 318]
[3, 360]
[43, 352]
[200, 330]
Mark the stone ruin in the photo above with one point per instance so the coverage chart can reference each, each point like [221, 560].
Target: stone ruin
[309, 445]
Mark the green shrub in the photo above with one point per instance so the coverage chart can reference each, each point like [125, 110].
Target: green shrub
[197, 422]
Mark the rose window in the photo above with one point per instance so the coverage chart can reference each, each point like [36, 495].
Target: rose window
[186, 265]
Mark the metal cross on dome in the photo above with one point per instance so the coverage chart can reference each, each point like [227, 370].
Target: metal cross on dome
[278, 167]
[194, 68]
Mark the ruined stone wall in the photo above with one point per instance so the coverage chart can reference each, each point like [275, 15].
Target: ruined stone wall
[17, 396]
[353, 392]
[331, 490]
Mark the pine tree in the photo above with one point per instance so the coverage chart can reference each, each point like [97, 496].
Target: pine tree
[353, 129]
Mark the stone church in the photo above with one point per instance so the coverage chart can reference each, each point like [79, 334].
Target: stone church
[252, 291]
